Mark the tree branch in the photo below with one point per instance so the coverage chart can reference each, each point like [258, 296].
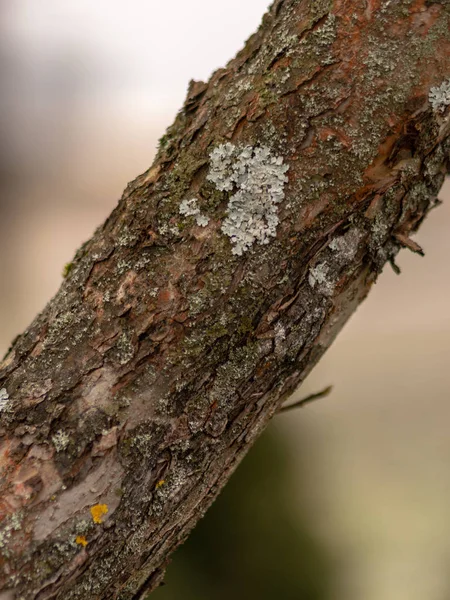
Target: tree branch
[284, 185]
[307, 400]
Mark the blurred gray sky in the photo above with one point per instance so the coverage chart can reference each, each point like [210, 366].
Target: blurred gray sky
[145, 49]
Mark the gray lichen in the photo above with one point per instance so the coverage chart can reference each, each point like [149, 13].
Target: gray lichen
[257, 177]
[8, 526]
[202, 221]
[125, 348]
[326, 34]
[189, 208]
[319, 276]
[60, 440]
[345, 246]
[4, 400]
[439, 96]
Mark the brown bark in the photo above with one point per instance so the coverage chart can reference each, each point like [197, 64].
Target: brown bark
[129, 401]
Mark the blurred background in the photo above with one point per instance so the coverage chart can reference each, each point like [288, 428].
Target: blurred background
[346, 499]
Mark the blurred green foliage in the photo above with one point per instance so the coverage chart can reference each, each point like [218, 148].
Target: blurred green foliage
[255, 542]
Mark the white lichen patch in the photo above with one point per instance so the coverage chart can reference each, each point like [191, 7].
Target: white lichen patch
[257, 178]
[202, 221]
[125, 348]
[10, 524]
[236, 91]
[326, 34]
[189, 208]
[4, 400]
[168, 488]
[346, 246]
[319, 277]
[280, 332]
[60, 440]
[280, 338]
[439, 96]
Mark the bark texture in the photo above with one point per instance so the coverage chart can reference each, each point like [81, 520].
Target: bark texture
[226, 270]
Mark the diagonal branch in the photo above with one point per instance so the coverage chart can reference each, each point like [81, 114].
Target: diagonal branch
[214, 287]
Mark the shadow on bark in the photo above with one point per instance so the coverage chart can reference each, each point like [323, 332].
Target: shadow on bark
[257, 540]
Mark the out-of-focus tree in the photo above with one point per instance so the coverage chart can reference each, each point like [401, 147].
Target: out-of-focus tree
[255, 542]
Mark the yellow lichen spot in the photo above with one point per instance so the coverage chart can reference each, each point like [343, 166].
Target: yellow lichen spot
[80, 539]
[160, 483]
[98, 511]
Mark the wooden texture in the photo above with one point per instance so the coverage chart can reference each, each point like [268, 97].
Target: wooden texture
[128, 402]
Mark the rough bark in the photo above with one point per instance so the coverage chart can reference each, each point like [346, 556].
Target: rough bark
[165, 353]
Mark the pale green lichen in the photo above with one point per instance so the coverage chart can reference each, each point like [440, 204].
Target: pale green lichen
[60, 440]
[439, 96]
[189, 208]
[4, 400]
[345, 246]
[125, 237]
[164, 229]
[144, 443]
[83, 527]
[319, 278]
[10, 524]
[241, 364]
[125, 348]
[326, 35]
[257, 178]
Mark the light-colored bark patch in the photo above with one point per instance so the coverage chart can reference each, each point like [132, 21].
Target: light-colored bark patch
[98, 487]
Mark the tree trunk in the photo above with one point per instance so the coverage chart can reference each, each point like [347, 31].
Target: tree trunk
[227, 269]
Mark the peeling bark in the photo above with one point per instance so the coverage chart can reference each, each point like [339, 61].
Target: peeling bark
[129, 401]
